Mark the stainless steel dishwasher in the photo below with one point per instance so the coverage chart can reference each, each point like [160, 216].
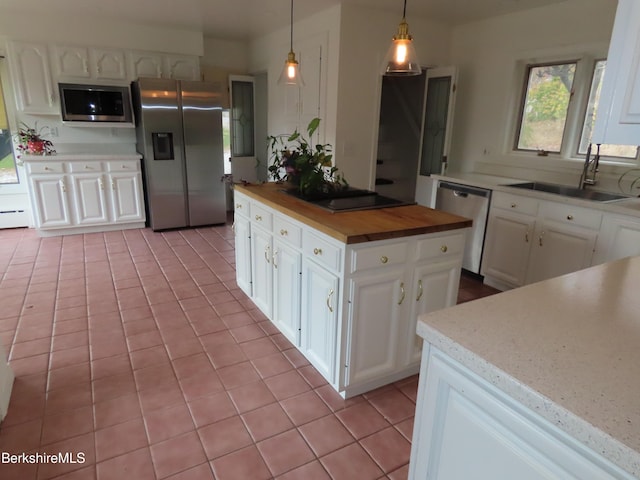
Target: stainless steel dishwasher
[469, 202]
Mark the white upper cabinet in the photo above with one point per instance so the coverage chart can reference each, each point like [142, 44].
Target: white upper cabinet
[29, 63]
[78, 63]
[618, 118]
[181, 67]
[145, 65]
[155, 65]
[108, 64]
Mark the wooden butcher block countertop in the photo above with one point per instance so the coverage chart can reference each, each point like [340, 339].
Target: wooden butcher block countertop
[356, 226]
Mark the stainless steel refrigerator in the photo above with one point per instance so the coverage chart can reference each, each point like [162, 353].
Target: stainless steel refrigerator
[179, 135]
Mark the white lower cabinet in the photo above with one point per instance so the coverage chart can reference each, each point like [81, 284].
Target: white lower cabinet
[529, 240]
[350, 309]
[50, 201]
[319, 318]
[85, 195]
[619, 238]
[467, 428]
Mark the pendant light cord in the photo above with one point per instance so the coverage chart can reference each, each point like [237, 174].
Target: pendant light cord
[291, 44]
[404, 9]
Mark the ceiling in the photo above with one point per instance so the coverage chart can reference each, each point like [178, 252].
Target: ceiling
[245, 19]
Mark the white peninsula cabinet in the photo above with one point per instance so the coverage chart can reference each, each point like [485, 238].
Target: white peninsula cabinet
[80, 194]
[536, 383]
[350, 308]
[529, 240]
[619, 238]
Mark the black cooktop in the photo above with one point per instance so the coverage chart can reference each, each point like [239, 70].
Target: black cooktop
[354, 199]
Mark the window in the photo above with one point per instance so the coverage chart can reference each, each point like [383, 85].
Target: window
[620, 151]
[545, 106]
[548, 120]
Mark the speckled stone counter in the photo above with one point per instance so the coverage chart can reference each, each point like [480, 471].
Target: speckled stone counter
[567, 348]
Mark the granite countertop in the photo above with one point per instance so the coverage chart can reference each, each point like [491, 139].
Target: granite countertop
[630, 206]
[568, 348]
[357, 226]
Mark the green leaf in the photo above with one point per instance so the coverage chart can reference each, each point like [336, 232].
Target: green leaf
[313, 126]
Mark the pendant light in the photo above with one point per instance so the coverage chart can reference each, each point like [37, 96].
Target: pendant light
[291, 72]
[401, 60]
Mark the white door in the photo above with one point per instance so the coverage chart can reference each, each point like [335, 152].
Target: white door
[242, 127]
[439, 102]
[90, 199]
[15, 209]
[261, 273]
[287, 268]
[126, 195]
[51, 201]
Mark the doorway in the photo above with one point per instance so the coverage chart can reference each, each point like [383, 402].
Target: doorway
[14, 197]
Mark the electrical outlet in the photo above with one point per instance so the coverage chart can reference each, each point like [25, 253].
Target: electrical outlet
[53, 131]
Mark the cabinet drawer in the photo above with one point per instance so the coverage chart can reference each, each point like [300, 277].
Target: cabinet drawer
[571, 215]
[287, 231]
[85, 167]
[241, 204]
[444, 246]
[261, 216]
[379, 256]
[48, 167]
[515, 203]
[123, 166]
[321, 251]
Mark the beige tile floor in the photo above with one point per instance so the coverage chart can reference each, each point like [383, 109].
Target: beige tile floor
[138, 350]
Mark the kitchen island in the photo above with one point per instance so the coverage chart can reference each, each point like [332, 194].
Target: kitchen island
[346, 288]
[536, 382]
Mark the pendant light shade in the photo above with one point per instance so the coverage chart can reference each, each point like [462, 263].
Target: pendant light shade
[291, 72]
[401, 59]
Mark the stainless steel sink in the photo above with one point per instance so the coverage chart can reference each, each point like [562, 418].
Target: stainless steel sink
[568, 191]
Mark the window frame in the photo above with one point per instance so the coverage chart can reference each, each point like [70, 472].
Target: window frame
[523, 100]
[576, 111]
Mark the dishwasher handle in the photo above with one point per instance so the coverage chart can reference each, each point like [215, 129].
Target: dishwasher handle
[463, 191]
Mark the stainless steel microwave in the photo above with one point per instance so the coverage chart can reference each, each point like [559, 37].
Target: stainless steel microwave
[95, 103]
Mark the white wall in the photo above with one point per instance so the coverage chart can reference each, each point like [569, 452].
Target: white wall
[489, 85]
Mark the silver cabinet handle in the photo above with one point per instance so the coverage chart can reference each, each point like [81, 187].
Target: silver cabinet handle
[420, 291]
[273, 259]
[569, 217]
[329, 300]
[540, 239]
[238, 206]
[444, 249]
[402, 294]
[526, 236]
[267, 250]
[384, 259]
[317, 251]
[113, 185]
[258, 218]
[233, 228]
[101, 184]
[284, 233]
[63, 187]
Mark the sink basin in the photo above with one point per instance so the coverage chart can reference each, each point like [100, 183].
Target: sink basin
[568, 191]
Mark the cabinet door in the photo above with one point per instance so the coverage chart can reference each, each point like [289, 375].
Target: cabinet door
[70, 62]
[619, 237]
[89, 198]
[32, 78]
[145, 64]
[319, 317]
[379, 307]
[507, 246]
[618, 118]
[287, 269]
[261, 269]
[126, 197]
[435, 286]
[108, 64]
[462, 416]
[559, 249]
[243, 254]
[50, 201]
[181, 67]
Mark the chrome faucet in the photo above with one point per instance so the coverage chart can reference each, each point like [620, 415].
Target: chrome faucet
[590, 168]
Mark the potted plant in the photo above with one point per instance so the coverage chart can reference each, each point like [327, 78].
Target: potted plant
[305, 166]
[31, 142]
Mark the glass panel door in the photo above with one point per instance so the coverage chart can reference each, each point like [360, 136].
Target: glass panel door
[243, 154]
